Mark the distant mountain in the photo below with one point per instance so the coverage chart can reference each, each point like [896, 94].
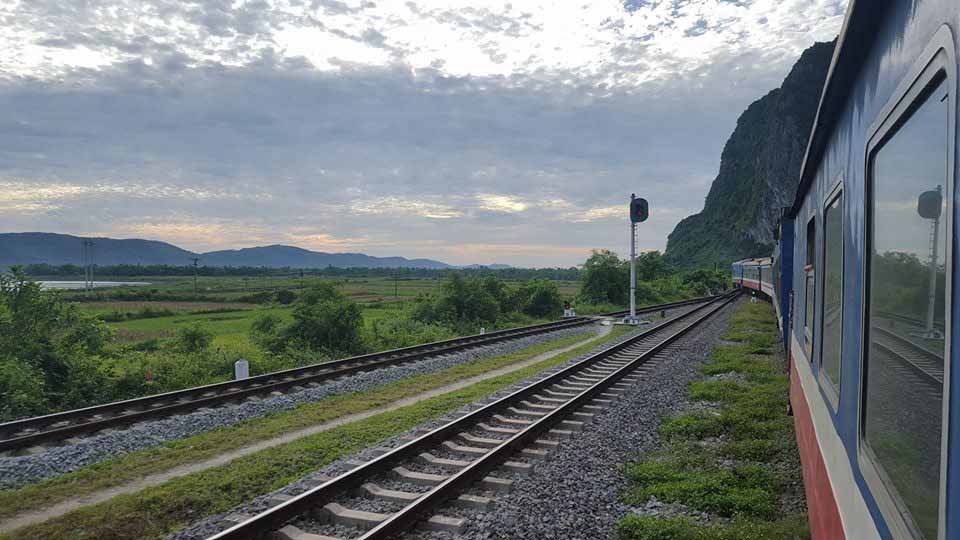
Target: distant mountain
[295, 257]
[50, 248]
[759, 172]
[489, 266]
[57, 249]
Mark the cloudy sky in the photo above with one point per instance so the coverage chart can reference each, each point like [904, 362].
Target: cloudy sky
[467, 131]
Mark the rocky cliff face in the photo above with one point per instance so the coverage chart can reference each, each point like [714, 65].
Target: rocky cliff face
[759, 171]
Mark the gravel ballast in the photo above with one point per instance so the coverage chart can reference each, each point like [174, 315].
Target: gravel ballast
[576, 494]
[21, 470]
[555, 488]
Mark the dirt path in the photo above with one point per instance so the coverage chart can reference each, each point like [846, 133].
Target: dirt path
[39, 516]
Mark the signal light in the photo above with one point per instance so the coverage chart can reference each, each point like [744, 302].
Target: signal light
[639, 210]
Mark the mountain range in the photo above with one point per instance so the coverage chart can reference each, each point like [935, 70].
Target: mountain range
[57, 249]
[759, 172]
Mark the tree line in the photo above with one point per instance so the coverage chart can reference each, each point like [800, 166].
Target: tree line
[161, 270]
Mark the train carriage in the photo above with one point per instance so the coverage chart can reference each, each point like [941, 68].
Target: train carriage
[755, 274]
[864, 280]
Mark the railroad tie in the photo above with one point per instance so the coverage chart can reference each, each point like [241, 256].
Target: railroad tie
[537, 406]
[480, 443]
[291, 532]
[442, 463]
[511, 421]
[469, 450]
[374, 491]
[501, 430]
[526, 412]
[334, 513]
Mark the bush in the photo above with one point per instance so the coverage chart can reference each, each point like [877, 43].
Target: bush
[286, 297]
[194, 339]
[265, 333]
[394, 333]
[22, 390]
[323, 320]
[50, 345]
[461, 301]
[540, 298]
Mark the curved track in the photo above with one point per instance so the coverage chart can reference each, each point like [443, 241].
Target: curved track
[64, 426]
[925, 363]
[504, 434]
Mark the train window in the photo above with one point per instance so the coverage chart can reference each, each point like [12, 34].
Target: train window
[903, 393]
[809, 288]
[831, 315]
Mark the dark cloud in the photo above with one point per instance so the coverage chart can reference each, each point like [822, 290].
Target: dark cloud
[185, 139]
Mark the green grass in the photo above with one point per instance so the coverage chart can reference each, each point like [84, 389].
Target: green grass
[651, 528]
[729, 461]
[164, 508]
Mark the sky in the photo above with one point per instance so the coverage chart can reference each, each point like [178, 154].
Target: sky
[480, 131]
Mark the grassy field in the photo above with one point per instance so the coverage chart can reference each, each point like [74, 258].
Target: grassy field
[157, 511]
[218, 310]
[231, 288]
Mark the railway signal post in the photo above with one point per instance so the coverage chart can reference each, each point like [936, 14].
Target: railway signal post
[639, 212]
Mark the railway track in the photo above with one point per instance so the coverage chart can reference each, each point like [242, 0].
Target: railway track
[927, 364]
[34, 434]
[458, 462]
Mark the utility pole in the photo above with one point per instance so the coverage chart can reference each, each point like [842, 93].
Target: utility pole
[196, 261]
[86, 255]
[301, 278]
[396, 285]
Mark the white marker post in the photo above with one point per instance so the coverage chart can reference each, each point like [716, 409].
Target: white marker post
[241, 369]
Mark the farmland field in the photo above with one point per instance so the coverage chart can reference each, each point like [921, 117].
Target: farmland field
[227, 306]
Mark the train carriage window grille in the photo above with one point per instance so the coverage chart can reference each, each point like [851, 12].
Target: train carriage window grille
[904, 366]
[831, 309]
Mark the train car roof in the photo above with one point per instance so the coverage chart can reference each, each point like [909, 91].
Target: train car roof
[856, 38]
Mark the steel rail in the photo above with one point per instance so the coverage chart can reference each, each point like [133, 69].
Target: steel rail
[59, 426]
[274, 518]
[906, 347]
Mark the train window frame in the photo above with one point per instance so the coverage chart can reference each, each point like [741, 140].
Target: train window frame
[810, 279]
[937, 65]
[830, 390]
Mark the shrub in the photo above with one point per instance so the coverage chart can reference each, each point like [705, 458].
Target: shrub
[194, 339]
[323, 320]
[540, 298]
[22, 391]
[49, 343]
[265, 332]
[286, 296]
[394, 333]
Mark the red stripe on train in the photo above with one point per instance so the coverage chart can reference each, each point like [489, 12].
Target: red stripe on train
[823, 512]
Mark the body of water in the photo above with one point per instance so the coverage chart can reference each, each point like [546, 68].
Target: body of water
[96, 284]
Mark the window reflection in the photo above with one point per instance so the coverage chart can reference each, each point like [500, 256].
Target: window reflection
[832, 316]
[904, 367]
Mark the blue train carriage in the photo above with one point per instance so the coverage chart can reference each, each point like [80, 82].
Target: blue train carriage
[754, 274]
[871, 308]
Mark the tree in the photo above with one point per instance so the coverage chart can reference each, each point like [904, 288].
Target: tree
[323, 320]
[651, 265]
[541, 298]
[48, 350]
[605, 279]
